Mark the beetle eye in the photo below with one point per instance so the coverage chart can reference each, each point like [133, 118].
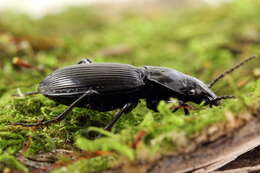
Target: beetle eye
[192, 92]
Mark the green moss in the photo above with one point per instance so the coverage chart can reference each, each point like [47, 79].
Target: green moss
[189, 41]
[97, 164]
[10, 162]
[112, 143]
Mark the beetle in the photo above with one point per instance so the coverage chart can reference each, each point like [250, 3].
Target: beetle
[109, 86]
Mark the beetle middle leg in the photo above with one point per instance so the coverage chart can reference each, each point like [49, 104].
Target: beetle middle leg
[152, 104]
[128, 107]
[63, 114]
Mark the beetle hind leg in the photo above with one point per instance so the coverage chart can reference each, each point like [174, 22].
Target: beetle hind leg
[63, 114]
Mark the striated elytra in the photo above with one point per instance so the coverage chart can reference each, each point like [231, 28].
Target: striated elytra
[109, 86]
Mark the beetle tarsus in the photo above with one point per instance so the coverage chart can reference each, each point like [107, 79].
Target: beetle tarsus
[63, 114]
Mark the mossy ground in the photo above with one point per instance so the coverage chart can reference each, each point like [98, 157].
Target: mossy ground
[200, 42]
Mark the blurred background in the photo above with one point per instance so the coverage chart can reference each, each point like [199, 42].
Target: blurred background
[41, 8]
[37, 37]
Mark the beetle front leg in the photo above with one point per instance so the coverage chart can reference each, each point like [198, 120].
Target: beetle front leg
[184, 106]
[153, 104]
[63, 114]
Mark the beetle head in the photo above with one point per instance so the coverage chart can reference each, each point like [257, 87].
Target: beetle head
[182, 86]
[200, 92]
[196, 91]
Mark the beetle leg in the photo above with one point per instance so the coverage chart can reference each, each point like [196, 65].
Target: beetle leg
[85, 61]
[127, 108]
[152, 104]
[63, 114]
[184, 106]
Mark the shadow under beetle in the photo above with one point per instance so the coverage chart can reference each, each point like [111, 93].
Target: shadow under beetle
[109, 86]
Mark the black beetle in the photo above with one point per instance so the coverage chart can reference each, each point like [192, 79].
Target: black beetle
[108, 86]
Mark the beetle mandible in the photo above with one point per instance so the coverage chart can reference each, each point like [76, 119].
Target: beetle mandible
[109, 86]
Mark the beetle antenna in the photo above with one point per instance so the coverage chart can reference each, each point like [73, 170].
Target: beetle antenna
[26, 94]
[216, 100]
[224, 97]
[214, 81]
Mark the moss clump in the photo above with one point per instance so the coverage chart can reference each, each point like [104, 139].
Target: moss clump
[97, 164]
[10, 162]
